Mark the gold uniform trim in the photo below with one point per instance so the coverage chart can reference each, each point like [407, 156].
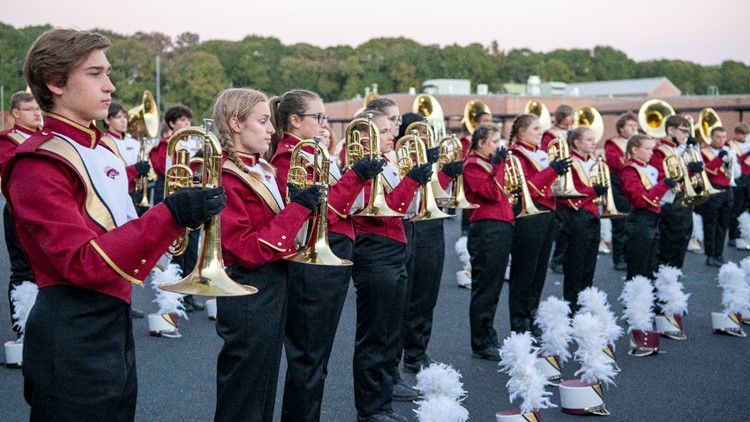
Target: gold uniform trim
[271, 245]
[255, 185]
[95, 207]
[16, 137]
[112, 265]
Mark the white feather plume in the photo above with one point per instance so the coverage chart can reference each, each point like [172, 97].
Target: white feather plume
[168, 302]
[518, 360]
[745, 265]
[672, 300]
[594, 301]
[697, 227]
[440, 379]
[463, 252]
[638, 298]
[736, 294]
[605, 230]
[553, 317]
[440, 409]
[595, 366]
[23, 296]
[744, 224]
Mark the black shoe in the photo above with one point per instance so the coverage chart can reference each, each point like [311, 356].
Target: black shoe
[191, 304]
[388, 416]
[490, 353]
[721, 259]
[713, 262]
[417, 366]
[396, 417]
[556, 268]
[136, 313]
[402, 392]
[621, 266]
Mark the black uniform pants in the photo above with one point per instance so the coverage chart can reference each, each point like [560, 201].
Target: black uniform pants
[532, 245]
[716, 213]
[582, 231]
[380, 280]
[642, 245]
[316, 296]
[79, 357]
[489, 245]
[20, 270]
[424, 270]
[618, 224]
[252, 328]
[560, 243]
[740, 204]
[675, 230]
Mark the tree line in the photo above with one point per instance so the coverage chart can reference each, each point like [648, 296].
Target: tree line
[193, 72]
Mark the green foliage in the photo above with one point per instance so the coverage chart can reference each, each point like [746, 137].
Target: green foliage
[193, 72]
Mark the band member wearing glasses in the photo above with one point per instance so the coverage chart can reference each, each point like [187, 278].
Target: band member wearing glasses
[490, 235]
[316, 292]
[675, 222]
[641, 185]
[742, 190]
[389, 108]
[79, 355]
[579, 217]
[27, 119]
[614, 154]
[257, 230]
[380, 280]
[533, 235]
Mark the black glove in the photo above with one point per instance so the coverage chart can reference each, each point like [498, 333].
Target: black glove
[691, 140]
[600, 189]
[499, 156]
[670, 182]
[695, 166]
[420, 174]
[190, 207]
[698, 189]
[308, 198]
[561, 166]
[367, 169]
[433, 155]
[454, 169]
[723, 153]
[142, 167]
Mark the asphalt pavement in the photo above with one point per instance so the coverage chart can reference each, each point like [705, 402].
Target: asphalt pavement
[706, 377]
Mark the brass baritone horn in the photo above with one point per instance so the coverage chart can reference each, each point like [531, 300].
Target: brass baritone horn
[143, 124]
[676, 169]
[708, 120]
[558, 150]
[208, 278]
[599, 174]
[437, 190]
[515, 186]
[430, 108]
[450, 151]
[356, 146]
[412, 147]
[317, 250]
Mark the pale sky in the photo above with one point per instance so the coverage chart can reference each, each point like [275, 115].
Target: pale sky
[705, 32]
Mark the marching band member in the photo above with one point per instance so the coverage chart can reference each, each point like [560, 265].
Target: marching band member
[388, 107]
[614, 154]
[717, 210]
[316, 293]
[27, 119]
[176, 117]
[490, 235]
[563, 121]
[643, 189]
[742, 190]
[675, 222]
[380, 280]
[533, 235]
[481, 118]
[84, 281]
[257, 230]
[127, 148]
[580, 217]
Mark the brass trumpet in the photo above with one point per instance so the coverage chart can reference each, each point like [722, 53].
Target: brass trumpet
[410, 152]
[516, 186]
[317, 250]
[599, 174]
[450, 150]
[356, 145]
[208, 278]
[558, 150]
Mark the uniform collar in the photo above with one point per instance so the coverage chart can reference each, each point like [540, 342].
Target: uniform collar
[528, 146]
[86, 136]
[639, 162]
[668, 142]
[249, 159]
[479, 155]
[579, 155]
[23, 129]
[116, 135]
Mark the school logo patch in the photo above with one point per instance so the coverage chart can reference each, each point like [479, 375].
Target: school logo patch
[268, 178]
[111, 173]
